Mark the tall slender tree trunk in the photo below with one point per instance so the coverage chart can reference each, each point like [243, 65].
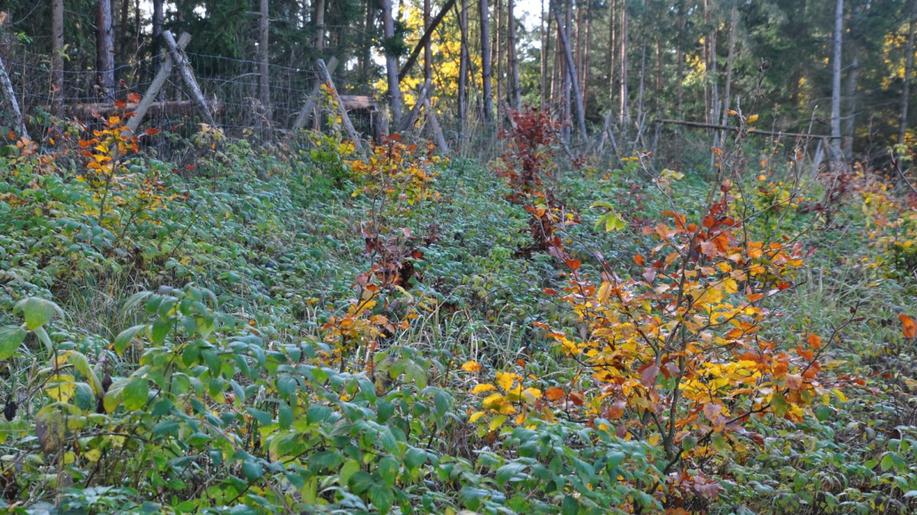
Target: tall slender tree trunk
[158, 19]
[610, 57]
[498, 62]
[680, 62]
[543, 55]
[571, 75]
[514, 93]
[427, 48]
[105, 50]
[836, 81]
[850, 129]
[908, 70]
[391, 63]
[730, 64]
[485, 61]
[57, 57]
[123, 21]
[568, 67]
[318, 23]
[584, 81]
[463, 72]
[264, 79]
[623, 114]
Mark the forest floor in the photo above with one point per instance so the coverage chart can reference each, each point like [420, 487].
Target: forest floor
[286, 330]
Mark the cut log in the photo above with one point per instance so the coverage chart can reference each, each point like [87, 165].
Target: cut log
[184, 69]
[345, 119]
[302, 118]
[149, 96]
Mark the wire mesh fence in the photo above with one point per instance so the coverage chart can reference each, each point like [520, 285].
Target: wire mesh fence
[230, 85]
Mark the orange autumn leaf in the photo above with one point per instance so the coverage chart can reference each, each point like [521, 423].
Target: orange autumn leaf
[554, 393]
[908, 326]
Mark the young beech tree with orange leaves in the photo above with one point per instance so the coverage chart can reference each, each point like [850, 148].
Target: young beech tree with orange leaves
[676, 353]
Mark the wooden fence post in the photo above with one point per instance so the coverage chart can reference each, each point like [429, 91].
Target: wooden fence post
[302, 118]
[184, 68]
[149, 96]
[326, 78]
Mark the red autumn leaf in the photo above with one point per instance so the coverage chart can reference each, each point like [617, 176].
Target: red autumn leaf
[576, 398]
[814, 341]
[152, 131]
[133, 97]
[648, 375]
[640, 260]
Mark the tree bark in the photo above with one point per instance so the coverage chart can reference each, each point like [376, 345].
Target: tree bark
[57, 57]
[485, 61]
[264, 79]
[610, 57]
[391, 63]
[514, 93]
[302, 118]
[157, 31]
[342, 110]
[836, 81]
[184, 69]
[153, 89]
[318, 22]
[908, 70]
[105, 50]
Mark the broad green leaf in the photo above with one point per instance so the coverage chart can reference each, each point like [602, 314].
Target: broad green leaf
[11, 337]
[135, 394]
[382, 497]
[125, 337]
[38, 312]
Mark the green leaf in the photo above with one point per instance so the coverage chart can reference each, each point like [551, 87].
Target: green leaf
[348, 469]
[125, 337]
[44, 338]
[135, 394]
[284, 415]
[81, 364]
[382, 497]
[252, 470]
[161, 328]
[388, 470]
[37, 312]
[11, 337]
[360, 482]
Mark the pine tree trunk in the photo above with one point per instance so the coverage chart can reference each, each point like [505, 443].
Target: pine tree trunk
[485, 61]
[105, 50]
[123, 20]
[571, 74]
[391, 63]
[908, 70]
[158, 18]
[264, 82]
[318, 23]
[836, 81]
[514, 93]
[730, 64]
[498, 63]
[57, 57]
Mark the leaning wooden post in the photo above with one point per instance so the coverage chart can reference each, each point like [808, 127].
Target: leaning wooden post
[302, 118]
[184, 68]
[14, 104]
[326, 78]
[435, 127]
[415, 112]
[149, 96]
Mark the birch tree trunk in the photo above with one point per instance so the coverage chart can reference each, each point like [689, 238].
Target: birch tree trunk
[391, 62]
[908, 70]
[485, 61]
[836, 81]
[105, 50]
[57, 57]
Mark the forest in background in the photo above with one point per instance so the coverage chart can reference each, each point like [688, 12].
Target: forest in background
[416, 256]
